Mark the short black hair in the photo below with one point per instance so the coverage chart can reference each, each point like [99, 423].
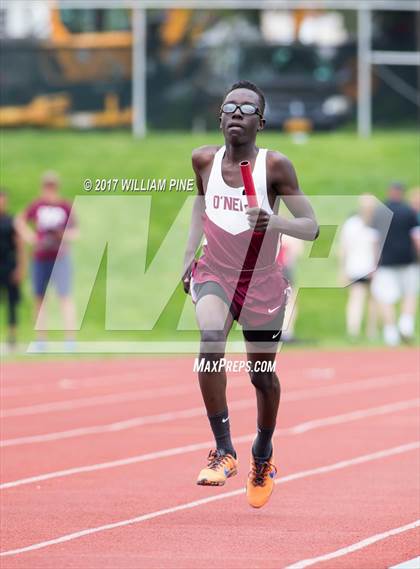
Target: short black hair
[244, 84]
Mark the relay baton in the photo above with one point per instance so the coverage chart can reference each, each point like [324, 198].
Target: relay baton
[250, 193]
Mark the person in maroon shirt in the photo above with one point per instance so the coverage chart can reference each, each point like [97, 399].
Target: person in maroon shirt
[53, 228]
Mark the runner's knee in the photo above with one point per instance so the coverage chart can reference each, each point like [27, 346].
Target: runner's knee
[213, 343]
[266, 381]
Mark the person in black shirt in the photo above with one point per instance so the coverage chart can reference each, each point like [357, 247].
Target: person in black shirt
[11, 266]
[414, 200]
[397, 276]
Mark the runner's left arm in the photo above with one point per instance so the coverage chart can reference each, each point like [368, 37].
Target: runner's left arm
[283, 180]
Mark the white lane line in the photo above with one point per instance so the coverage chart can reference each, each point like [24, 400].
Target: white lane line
[95, 401]
[67, 383]
[109, 399]
[409, 564]
[188, 505]
[355, 546]
[361, 413]
[120, 425]
[144, 372]
[294, 430]
[80, 403]
[153, 419]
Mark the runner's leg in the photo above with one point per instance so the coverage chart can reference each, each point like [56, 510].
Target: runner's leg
[214, 320]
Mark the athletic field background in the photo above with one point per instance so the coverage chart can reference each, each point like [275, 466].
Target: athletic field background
[328, 164]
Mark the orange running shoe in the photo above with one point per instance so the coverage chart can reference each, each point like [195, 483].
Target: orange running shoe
[260, 483]
[220, 467]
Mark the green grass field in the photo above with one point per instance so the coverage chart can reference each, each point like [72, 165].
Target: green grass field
[328, 164]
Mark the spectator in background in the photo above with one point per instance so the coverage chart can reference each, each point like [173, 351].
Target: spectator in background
[397, 276]
[12, 267]
[414, 200]
[358, 252]
[51, 215]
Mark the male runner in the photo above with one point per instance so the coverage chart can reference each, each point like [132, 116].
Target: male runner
[237, 277]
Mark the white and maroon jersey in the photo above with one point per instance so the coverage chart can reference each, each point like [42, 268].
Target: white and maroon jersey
[50, 221]
[229, 242]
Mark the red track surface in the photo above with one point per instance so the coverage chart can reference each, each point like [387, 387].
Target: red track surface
[355, 414]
